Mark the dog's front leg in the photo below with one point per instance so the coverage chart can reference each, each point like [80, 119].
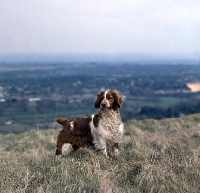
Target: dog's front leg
[116, 148]
[101, 145]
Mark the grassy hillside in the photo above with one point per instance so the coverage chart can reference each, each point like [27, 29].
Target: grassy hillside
[156, 156]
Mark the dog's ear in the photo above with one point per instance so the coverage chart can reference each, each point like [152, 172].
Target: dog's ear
[118, 99]
[98, 100]
[62, 121]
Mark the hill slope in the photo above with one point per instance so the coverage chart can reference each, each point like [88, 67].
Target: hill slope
[156, 156]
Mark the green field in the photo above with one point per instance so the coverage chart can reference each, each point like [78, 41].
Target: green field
[27, 121]
[34, 117]
[161, 102]
[31, 118]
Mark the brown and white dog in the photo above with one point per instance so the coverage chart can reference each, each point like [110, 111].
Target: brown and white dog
[107, 125]
[95, 130]
[75, 132]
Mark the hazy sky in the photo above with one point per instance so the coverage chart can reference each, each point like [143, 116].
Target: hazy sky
[103, 26]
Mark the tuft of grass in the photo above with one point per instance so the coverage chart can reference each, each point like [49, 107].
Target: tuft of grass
[156, 156]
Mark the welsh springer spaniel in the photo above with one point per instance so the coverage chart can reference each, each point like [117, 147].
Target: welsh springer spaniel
[95, 130]
[75, 132]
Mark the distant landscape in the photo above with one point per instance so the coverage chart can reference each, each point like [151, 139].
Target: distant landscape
[34, 94]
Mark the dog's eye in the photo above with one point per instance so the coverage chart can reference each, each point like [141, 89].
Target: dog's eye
[110, 98]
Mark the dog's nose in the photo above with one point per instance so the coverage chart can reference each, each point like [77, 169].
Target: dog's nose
[103, 105]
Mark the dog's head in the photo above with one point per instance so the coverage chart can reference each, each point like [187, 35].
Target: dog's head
[108, 100]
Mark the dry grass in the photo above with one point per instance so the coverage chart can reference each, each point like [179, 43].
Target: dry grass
[156, 156]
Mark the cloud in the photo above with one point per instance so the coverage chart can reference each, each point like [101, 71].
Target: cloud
[177, 14]
[99, 26]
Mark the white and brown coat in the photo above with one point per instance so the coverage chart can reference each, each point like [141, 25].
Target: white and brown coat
[95, 130]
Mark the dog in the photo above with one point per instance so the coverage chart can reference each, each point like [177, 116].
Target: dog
[107, 124]
[76, 132]
[95, 130]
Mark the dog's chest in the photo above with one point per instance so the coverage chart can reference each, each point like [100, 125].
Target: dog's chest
[110, 126]
[110, 131]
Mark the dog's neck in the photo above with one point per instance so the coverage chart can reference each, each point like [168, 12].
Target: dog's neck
[110, 112]
[110, 117]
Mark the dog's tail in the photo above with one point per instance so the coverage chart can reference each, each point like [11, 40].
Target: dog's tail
[62, 121]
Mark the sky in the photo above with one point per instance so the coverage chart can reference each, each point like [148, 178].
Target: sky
[100, 26]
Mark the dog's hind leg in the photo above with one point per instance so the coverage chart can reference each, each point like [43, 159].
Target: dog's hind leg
[60, 143]
[59, 148]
